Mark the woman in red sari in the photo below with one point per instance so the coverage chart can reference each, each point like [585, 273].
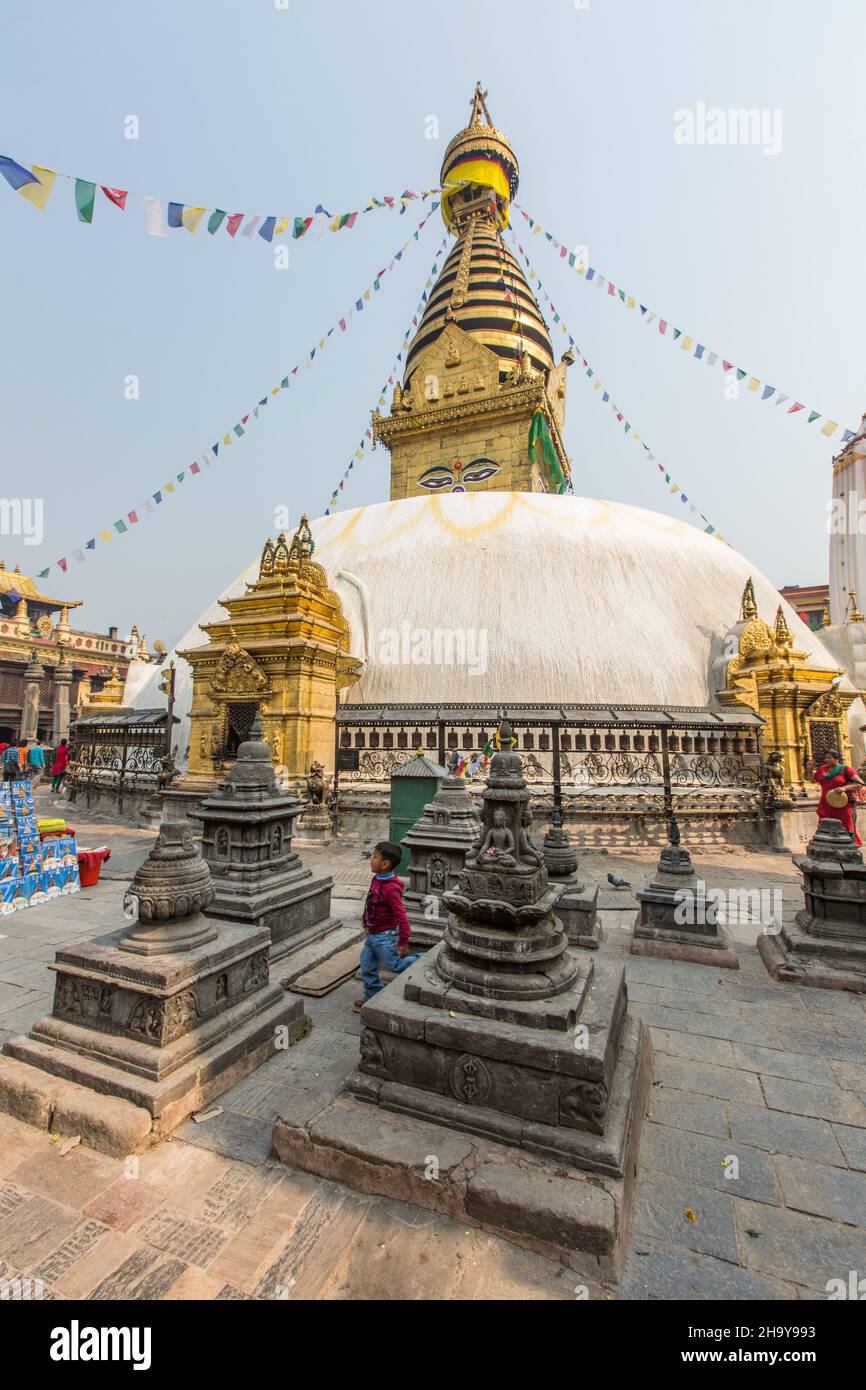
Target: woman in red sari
[832, 775]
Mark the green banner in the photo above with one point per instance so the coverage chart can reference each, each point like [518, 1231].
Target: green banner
[542, 452]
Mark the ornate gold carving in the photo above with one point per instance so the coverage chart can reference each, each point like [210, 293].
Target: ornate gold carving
[238, 674]
[748, 604]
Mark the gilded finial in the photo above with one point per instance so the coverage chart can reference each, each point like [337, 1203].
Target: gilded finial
[748, 604]
[782, 634]
[479, 104]
[854, 616]
[826, 620]
[266, 568]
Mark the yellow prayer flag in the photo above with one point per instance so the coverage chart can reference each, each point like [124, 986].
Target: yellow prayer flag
[687, 342]
[675, 487]
[191, 217]
[366, 294]
[630, 303]
[321, 342]
[106, 536]
[281, 226]
[754, 383]
[227, 439]
[274, 392]
[39, 193]
[536, 229]
[830, 428]
[169, 487]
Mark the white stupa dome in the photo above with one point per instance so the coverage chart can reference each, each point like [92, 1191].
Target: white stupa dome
[536, 599]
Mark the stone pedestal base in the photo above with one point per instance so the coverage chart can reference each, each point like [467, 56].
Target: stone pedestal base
[797, 955]
[553, 1076]
[672, 920]
[385, 1149]
[577, 909]
[165, 1032]
[295, 910]
[313, 828]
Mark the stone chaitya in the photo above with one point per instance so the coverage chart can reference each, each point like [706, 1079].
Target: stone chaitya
[825, 945]
[501, 1029]
[438, 844]
[258, 878]
[578, 906]
[171, 1010]
[675, 918]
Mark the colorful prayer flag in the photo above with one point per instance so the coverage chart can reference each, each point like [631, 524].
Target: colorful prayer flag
[85, 196]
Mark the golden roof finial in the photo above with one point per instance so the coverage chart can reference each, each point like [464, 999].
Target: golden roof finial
[782, 634]
[826, 620]
[854, 615]
[748, 604]
[479, 104]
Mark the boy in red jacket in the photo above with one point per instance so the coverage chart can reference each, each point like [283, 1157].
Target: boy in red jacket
[385, 921]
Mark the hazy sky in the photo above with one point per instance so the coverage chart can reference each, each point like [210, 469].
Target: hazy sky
[244, 105]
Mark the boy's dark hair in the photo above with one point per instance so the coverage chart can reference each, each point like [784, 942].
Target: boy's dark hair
[388, 850]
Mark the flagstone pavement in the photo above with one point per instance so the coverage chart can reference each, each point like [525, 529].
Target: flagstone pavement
[773, 1076]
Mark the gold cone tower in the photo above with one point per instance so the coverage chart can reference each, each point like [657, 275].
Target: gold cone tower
[480, 371]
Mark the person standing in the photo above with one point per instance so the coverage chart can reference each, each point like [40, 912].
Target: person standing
[58, 765]
[11, 762]
[834, 778]
[36, 761]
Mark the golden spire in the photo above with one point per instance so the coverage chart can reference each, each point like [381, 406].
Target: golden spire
[782, 634]
[748, 605]
[854, 615]
[826, 620]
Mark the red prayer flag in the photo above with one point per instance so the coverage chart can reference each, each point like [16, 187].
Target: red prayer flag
[727, 366]
[62, 564]
[133, 516]
[663, 325]
[233, 222]
[116, 196]
[796, 406]
[194, 468]
[343, 324]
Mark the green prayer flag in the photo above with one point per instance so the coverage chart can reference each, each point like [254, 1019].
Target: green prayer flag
[813, 415]
[215, 220]
[239, 430]
[677, 332]
[120, 527]
[542, 452]
[740, 374]
[84, 195]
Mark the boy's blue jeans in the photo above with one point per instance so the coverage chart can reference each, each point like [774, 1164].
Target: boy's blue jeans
[380, 948]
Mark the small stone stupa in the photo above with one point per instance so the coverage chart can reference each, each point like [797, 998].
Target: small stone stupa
[675, 919]
[438, 844]
[172, 1009]
[578, 906]
[501, 1030]
[825, 945]
[258, 877]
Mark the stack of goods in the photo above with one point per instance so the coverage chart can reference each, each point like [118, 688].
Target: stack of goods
[32, 869]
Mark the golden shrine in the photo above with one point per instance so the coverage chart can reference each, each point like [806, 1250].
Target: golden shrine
[804, 708]
[282, 650]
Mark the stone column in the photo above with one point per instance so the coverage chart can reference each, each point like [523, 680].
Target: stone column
[62, 684]
[32, 692]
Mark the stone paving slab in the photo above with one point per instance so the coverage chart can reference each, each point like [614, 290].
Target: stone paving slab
[772, 1074]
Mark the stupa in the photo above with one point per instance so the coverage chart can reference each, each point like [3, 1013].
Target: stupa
[501, 1029]
[438, 844]
[516, 597]
[258, 878]
[825, 945]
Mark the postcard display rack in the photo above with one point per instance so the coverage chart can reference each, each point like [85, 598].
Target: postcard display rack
[33, 869]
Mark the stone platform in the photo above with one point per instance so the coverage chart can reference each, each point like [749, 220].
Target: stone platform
[168, 1033]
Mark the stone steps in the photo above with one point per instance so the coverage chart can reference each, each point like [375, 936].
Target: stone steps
[291, 967]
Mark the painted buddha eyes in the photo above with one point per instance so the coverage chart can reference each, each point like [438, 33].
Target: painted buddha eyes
[456, 476]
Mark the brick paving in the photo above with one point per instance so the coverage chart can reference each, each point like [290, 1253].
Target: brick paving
[752, 1171]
